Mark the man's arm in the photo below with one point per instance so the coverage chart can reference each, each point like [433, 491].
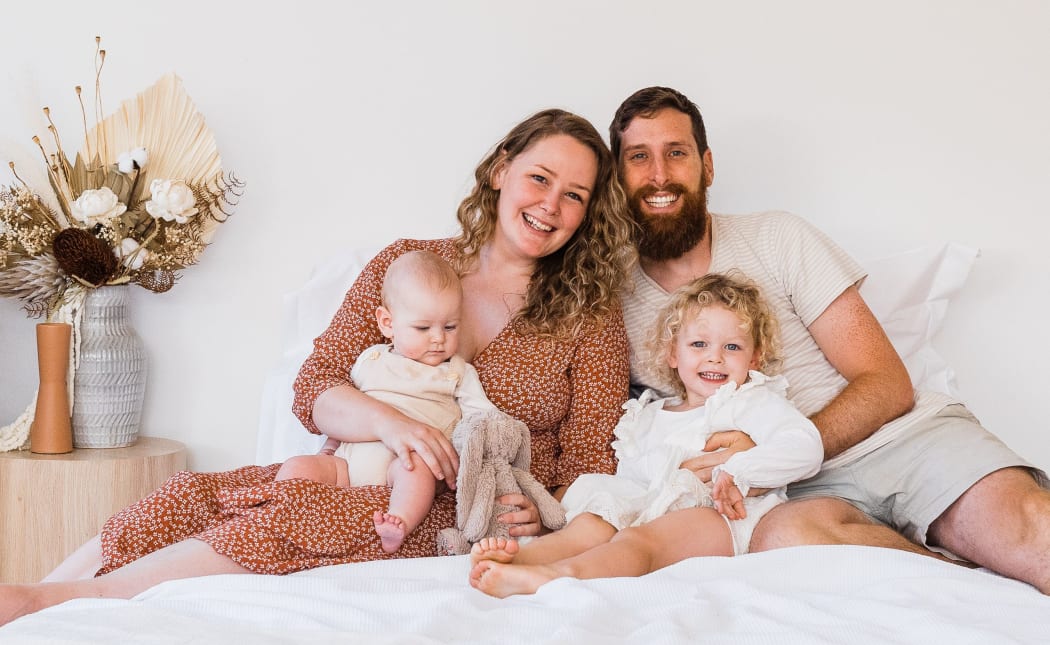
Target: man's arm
[879, 388]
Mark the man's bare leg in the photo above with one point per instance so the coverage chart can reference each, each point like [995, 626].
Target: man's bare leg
[827, 520]
[631, 552]
[1003, 523]
[185, 559]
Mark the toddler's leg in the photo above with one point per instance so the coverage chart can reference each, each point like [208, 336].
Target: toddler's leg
[327, 469]
[583, 532]
[411, 496]
[632, 552]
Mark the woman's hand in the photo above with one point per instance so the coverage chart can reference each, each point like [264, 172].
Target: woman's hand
[730, 442]
[406, 436]
[525, 520]
[346, 414]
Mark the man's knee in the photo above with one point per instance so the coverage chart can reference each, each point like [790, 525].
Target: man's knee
[1011, 497]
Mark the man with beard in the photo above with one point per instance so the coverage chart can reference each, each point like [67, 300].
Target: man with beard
[895, 459]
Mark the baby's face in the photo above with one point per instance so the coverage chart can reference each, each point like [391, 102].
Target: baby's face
[424, 325]
[712, 349]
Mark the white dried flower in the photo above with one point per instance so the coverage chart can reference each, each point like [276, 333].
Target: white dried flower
[132, 160]
[171, 199]
[97, 206]
[131, 254]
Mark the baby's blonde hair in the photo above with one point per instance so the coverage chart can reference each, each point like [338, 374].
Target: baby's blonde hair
[732, 291]
[423, 268]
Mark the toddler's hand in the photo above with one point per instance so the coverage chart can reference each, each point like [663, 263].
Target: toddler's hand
[727, 497]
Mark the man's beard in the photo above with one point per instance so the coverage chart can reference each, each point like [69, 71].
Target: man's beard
[665, 237]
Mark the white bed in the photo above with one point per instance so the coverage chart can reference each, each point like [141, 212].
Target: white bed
[854, 595]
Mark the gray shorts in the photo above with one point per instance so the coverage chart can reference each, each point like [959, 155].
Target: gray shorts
[910, 482]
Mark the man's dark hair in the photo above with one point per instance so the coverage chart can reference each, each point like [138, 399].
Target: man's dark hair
[647, 102]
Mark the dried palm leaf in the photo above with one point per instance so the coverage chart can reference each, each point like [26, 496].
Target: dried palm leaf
[164, 120]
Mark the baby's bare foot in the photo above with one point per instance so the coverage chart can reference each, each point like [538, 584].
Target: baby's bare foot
[502, 580]
[497, 549]
[391, 530]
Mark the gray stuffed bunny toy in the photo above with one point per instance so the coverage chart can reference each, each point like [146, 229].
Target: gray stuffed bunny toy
[494, 454]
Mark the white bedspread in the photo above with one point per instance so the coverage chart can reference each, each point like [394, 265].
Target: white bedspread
[853, 595]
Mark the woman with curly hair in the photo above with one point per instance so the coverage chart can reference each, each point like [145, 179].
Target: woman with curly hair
[543, 250]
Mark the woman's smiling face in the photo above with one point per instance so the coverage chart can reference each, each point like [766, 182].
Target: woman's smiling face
[544, 193]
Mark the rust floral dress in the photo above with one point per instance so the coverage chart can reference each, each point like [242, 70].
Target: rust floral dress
[568, 392]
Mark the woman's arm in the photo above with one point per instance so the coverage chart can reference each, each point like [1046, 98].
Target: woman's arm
[347, 414]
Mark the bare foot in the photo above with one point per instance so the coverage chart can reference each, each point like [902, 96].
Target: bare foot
[391, 530]
[497, 549]
[502, 580]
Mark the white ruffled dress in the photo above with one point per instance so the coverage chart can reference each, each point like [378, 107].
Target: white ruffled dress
[651, 443]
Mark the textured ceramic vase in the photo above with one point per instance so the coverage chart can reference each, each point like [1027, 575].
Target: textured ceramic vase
[110, 380]
[51, 432]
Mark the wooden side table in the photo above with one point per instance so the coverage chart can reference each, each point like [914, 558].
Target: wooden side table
[51, 504]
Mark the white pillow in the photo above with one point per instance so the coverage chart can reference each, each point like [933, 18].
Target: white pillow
[307, 312]
[908, 292]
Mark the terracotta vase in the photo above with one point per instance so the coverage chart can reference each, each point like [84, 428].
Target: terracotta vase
[110, 381]
[52, 430]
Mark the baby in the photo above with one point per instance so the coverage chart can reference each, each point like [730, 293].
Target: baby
[419, 374]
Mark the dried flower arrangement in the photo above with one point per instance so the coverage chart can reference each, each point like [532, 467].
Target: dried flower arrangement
[140, 202]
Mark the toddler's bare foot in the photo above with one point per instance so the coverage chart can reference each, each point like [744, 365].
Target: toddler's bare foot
[502, 580]
[391, 530]
[497, 549]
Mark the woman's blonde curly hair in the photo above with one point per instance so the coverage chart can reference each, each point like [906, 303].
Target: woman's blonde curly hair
[732, 291]
[580, 282]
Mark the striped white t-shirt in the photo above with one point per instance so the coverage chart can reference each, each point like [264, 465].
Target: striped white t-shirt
[800, 271]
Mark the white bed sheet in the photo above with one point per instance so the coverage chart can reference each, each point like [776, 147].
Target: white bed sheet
[804, 595]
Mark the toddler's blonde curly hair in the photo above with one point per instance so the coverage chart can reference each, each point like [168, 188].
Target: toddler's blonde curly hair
[732, 291]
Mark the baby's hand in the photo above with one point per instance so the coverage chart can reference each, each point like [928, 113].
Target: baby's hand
[727, 497]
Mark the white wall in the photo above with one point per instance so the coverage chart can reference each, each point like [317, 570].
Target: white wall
[887, 124]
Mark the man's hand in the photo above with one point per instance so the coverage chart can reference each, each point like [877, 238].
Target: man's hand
[727, 444]
[727, 497]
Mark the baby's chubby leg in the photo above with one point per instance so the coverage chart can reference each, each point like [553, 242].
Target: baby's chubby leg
[411, 496]
[327, 469]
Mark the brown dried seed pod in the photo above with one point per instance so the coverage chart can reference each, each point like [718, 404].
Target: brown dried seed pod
[84, 256]
[157, 281]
